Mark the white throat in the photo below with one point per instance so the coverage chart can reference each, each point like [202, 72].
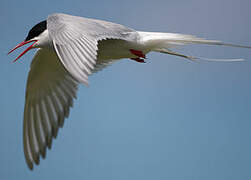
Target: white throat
[43, 40]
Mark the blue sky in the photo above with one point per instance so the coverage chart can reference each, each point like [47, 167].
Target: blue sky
[166, 119]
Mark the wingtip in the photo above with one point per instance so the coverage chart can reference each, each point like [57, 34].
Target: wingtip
[85, 82]
[30, 165]
[37, 160]
[43, 153]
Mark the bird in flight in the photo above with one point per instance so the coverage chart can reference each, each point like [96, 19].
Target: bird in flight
[70, 48]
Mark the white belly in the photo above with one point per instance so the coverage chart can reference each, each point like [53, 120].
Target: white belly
[117, 49]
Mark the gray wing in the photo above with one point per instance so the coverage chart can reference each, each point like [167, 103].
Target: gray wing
[75, 40]
[49, 95]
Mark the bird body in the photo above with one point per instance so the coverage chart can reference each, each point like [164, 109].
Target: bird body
[70, 48]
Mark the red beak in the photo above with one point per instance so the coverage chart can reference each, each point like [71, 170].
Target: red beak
[25, 51]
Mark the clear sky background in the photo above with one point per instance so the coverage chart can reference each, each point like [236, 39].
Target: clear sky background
[166, 119]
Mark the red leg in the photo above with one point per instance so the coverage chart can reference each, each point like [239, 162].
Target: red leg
[138, 53]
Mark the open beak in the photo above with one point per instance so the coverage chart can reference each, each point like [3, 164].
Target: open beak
[26, 50]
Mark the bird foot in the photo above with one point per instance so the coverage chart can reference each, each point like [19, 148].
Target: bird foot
[138, 53]
[141, 57]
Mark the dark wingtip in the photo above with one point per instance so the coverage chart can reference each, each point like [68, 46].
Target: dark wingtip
[30, 165]
[43, 152]
[37, 160]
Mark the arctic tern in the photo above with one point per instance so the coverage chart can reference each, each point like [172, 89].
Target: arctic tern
[69, 49]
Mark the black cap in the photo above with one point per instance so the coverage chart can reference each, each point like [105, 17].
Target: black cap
[36, 30]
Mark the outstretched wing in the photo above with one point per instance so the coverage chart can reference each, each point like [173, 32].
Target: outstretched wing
[49, 95]
[75, 40]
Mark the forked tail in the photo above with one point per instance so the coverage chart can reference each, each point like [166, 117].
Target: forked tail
[162, 42]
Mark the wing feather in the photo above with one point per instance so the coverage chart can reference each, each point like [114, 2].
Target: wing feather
[75, 40]
[49, 94]
[52, 116]
[70, 63]
[26, 143]
[46, 124]
[40, 130]
[32, 136]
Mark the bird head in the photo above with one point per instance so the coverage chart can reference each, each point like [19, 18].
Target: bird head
[33, 37]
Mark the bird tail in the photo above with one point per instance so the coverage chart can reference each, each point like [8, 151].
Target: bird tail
[162, 42]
